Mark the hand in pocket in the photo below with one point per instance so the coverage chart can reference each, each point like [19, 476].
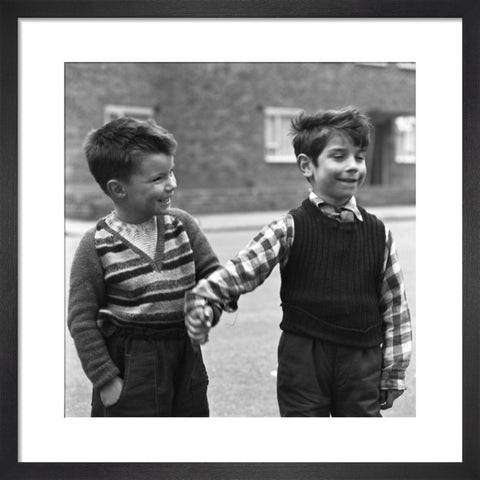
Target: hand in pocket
[111, 391]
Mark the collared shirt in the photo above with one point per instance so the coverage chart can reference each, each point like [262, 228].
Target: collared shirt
[272, 245]
[350, 205]
[143, 235]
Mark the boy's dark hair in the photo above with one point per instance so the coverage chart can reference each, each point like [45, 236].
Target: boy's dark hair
[311, 133]
[112, 150]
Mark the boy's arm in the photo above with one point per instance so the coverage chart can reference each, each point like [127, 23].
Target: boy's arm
[204, 257]
[397, 336]
[85, 300]
[250, 267]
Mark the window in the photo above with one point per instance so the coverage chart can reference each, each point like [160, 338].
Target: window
[112, 112]
[406, 66]
[405, 134]
[401, 65]
[278, 142]
[374, 64]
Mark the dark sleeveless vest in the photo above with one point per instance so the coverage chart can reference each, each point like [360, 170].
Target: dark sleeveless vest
[330, 283]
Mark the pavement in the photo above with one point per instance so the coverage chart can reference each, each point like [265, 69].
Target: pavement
[253, 220]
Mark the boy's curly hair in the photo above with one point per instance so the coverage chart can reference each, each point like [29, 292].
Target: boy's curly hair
[311, 133]
[112, 150]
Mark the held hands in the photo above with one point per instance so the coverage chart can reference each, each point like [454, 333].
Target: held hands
[199, 323]
[387, 397]
[111, 391]
[198, 318]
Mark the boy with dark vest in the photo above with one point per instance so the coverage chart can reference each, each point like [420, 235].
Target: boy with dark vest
[129, 277]
[346, 331]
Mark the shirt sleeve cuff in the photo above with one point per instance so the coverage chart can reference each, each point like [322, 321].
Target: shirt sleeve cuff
[217, 312]
[393, 380]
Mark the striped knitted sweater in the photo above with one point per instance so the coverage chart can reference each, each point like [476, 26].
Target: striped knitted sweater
[112, 280]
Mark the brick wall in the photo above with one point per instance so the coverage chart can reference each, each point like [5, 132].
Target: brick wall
[215, 112]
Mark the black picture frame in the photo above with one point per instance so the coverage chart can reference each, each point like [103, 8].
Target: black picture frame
[12, 10]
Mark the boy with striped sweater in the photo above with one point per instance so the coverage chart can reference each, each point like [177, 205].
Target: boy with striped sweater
[129, 277]
[346, 332]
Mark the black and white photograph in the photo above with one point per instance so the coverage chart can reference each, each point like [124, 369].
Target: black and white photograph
[216, 224]
[240, 148]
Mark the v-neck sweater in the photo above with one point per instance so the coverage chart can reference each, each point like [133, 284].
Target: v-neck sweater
[143, 235]
[114, 281]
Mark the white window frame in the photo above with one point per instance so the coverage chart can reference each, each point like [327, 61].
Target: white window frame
[140, 113]
[374, 64]
[401, 65]
[407, 66]
[407, 159]
[277, 113]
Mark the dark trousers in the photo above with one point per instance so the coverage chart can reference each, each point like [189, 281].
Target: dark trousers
[163, 377]
[316, 378]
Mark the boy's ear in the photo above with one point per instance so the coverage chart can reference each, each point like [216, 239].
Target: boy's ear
[116, 189]
[304, 163]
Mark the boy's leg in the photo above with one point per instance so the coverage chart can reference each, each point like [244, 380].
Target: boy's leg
[163, 377]
[190, 398]
[304, 376]
[98, 410]
[116, 348]
[357, 380]
[136, 357]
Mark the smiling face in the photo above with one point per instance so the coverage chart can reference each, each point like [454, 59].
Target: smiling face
[340, 170]
[149, 189]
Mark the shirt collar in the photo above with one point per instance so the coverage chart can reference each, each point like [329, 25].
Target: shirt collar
[350, 205]
[113, 220]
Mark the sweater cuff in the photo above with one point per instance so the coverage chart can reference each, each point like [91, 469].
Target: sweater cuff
[103, 376]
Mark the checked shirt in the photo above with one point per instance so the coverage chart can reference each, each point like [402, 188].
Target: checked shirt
[271, 246]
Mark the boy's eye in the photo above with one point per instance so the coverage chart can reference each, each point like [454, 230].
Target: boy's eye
[163, 177]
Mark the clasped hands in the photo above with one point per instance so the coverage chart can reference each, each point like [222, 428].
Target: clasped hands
[198, 318]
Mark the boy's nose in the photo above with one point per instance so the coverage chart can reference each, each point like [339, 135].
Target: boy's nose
[172, 184]
[352, 163]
